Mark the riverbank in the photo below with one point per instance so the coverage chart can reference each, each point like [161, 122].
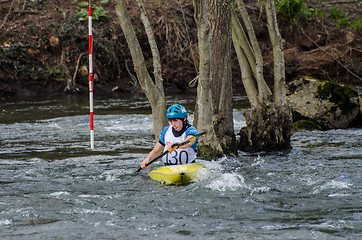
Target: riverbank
[44, 47]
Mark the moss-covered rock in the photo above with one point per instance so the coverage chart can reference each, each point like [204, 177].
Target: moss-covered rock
[305, 125]
[343, 96]
[328, 104]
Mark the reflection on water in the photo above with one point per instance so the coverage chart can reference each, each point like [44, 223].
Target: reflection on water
[52, 186]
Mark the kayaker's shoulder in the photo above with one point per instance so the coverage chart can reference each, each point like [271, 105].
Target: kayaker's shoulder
[191, 130]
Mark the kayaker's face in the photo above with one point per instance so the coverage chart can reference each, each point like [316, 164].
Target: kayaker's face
[177, 124]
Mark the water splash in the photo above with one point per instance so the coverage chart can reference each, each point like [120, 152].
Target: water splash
[221, 179]
[332, 185]
[227, 182]
[5, 222]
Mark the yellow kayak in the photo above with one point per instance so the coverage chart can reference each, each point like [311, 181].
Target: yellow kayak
[176, 174]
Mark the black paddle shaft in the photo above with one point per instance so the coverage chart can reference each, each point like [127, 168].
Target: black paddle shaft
[174, 145]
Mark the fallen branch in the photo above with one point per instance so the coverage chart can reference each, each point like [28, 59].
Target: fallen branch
[134, 79]
[76, 69]
[6, 18]
[342, 2]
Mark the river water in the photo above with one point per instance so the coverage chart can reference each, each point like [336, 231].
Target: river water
[52, 186]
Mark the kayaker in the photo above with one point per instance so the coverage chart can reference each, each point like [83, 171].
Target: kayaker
[179, 130]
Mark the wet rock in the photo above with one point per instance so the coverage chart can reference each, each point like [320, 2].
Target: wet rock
[330, 105]
[305, 125]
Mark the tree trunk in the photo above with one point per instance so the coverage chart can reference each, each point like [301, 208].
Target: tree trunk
[263, 89]
[153, 45]
[209, 146]
[283, 131]
[267, 130]
[220, 39]
[269, 123]
[154, 91]
[279, 66]
[246, 57]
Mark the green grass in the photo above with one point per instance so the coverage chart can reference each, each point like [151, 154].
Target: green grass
[293, 9]
[296, 10]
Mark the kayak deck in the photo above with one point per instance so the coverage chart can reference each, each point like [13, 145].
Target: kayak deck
[176, 174]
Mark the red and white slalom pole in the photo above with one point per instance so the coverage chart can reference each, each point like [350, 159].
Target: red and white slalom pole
[90, 40]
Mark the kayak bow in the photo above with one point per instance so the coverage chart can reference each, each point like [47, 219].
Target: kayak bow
[176, 174]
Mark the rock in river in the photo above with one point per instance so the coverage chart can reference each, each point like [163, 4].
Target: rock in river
[328, 104]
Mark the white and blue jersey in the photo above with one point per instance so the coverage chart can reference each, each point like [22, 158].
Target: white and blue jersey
[179, 156]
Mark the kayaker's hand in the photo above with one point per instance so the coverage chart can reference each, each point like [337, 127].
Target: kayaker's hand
[172, 147]
[143, 164]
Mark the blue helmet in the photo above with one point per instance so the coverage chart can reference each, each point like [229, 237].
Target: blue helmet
[176, 111]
